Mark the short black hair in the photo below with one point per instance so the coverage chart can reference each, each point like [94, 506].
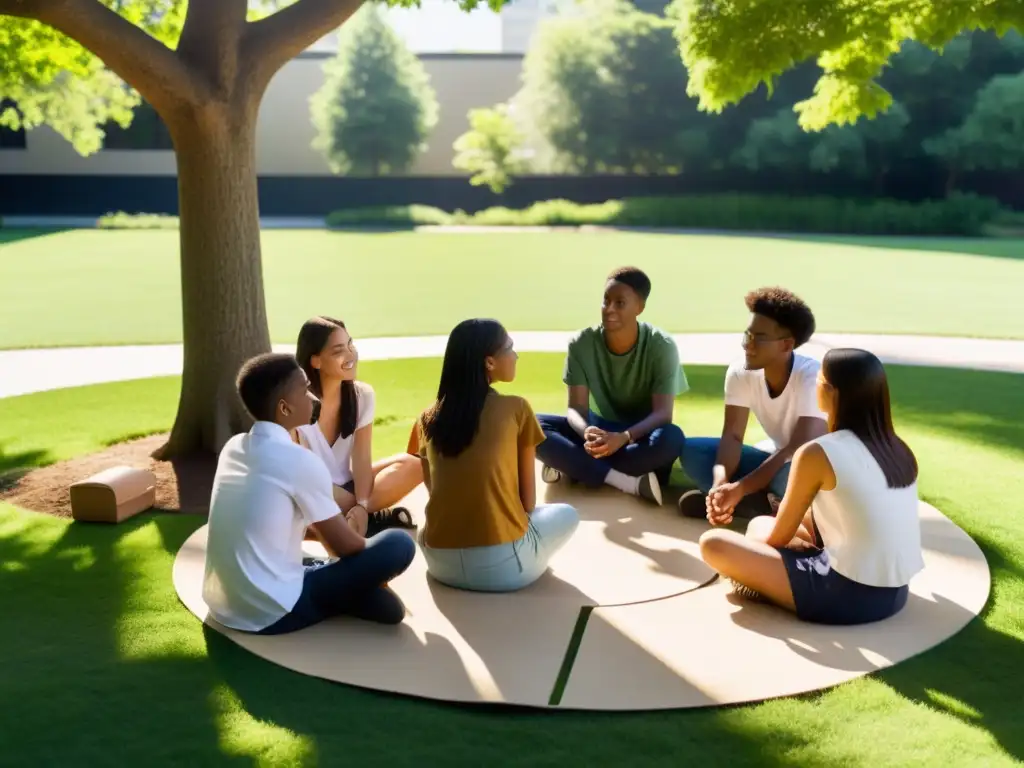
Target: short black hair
[634, 278]
[260, 381]
[785, 308]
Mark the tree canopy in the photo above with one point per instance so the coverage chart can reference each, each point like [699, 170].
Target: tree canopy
[376, 107]
[731, 47]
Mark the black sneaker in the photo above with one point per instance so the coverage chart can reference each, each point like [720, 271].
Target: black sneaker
[382, 519]
[693, 504]
[650, 488]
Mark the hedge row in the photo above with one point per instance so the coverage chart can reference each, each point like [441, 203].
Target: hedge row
[956, 215]
[960, 214]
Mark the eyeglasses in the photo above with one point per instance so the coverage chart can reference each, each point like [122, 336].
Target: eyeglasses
[749, 338]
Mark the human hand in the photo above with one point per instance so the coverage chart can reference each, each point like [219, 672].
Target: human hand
[722, 502]
[607, 444]
[358, 519]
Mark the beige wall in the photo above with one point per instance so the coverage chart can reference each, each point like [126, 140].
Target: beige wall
[284, 133]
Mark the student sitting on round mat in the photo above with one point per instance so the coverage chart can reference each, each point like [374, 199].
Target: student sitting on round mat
[623, 377]
[484, 530]
[847, 538]
[266, 491]
[778, 385]
[342, 433]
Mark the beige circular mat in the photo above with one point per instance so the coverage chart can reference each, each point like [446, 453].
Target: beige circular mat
[626, 591]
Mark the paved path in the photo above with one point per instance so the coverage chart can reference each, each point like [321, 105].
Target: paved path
[35, 370]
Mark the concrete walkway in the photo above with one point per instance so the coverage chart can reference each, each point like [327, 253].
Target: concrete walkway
[36, 370]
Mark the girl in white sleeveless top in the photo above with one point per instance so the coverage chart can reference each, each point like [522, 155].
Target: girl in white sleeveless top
[847, 538]
[341, 433]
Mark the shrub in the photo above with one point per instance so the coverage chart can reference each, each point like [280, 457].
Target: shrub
[389, 216]
[121, 220]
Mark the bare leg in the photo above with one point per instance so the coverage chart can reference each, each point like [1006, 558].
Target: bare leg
[752, 563]
[393, 479]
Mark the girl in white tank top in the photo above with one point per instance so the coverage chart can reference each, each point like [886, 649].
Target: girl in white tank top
[342, 434]
[846, 541]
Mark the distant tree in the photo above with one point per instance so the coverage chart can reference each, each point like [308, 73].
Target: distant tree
[865, 149]
[991, 138]
[606, 90]
[492, 149]
[376, 107]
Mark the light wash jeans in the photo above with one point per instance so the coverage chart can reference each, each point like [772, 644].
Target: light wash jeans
[506, 567]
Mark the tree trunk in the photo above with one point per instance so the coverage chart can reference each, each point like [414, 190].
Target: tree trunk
[223, 305]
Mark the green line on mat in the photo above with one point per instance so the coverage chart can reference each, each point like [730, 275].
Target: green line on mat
[570, 655]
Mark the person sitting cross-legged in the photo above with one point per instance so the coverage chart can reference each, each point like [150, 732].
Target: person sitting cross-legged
[266, 491]
[623, 377]
[485, 530]
[778, 385]
[847, 539]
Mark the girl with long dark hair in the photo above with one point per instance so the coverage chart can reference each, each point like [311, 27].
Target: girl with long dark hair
[342, 432]
[484, 530]
[847, 538]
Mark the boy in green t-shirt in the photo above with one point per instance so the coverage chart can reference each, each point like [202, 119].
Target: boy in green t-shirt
[623, 377]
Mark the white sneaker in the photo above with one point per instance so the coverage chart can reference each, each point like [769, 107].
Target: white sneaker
[550, 475]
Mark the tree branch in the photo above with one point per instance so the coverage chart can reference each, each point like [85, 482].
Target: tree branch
[211, 41]
[277, 39]
[142, 61]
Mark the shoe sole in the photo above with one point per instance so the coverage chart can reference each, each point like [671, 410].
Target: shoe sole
[656, 489]
[550, 476]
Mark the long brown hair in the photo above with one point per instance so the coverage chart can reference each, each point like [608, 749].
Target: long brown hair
[863, 407]
[313, 337]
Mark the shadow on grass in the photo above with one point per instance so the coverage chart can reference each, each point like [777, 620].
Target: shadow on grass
[8, 236]
[982, 407]
[17, 463]
[991, 247]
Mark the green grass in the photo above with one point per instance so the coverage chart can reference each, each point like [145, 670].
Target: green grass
[408, 283]
[101, 664]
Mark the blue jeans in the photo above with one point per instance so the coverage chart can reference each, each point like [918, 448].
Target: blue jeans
[563, 450]
[698, 460]
[506, 567]
[353, 586]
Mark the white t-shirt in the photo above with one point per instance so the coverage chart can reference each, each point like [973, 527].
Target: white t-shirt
[338, 457]
[777, 416]
[872, 532]
[266, 492]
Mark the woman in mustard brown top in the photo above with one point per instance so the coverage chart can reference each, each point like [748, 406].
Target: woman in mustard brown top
[484, 529]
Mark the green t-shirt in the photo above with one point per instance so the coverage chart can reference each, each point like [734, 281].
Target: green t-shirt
[621, 386]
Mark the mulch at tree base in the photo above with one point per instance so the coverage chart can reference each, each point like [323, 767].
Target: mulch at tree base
[182, 486]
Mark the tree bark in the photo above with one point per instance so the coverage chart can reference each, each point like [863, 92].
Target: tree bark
[223, 305]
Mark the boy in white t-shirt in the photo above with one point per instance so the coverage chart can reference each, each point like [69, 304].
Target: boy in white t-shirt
[267, 490]
[779, 386]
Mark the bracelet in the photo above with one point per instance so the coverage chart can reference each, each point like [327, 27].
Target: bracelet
[629, 437]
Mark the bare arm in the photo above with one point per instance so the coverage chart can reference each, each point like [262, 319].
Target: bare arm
[528, 477]
[362, 465]
[807, 429]
[662, 407]
[810, 473]
[730, 447]
[579, 409]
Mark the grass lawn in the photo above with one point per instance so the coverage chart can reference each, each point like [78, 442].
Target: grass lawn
[103, 665]
[51, 285]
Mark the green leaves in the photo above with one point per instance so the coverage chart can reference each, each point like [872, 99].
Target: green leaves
[731, 47]
[376, 107]
[491, 150]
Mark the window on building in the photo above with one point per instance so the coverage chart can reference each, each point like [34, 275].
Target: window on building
[147, 131]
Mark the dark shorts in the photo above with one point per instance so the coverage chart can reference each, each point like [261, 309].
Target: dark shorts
[350, 486]
[824, 596]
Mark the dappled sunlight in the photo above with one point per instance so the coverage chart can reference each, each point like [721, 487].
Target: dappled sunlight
[266, 744]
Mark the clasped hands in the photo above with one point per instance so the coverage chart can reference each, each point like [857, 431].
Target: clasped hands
[722, 501]
[600, 444]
